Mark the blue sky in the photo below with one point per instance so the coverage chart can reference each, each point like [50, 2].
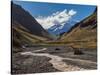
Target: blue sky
[37, 9]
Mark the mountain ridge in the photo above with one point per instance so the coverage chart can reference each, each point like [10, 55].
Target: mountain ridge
[26, 20]
[84, 32]
[25, 29]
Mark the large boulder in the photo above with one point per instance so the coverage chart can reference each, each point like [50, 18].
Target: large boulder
[78, 52]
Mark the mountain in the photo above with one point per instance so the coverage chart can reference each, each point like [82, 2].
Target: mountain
[83, 33]
[24, 18]
[59, 29]
[22, 36]
[25, 29]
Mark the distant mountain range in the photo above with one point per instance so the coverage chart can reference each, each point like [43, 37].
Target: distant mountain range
[59, 29]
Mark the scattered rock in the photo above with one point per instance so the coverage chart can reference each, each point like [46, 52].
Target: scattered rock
[57, 49]
[78, 52]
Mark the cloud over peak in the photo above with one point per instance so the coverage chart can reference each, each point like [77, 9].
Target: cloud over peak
[58, 18]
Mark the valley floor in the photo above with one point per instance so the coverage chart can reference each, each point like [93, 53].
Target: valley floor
[52, 59]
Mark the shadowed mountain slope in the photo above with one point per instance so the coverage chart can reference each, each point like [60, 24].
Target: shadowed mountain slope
[27, 21]
[25, 29]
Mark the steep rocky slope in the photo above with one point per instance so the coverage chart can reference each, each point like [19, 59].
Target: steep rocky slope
[25, 29]
[24, 18]
[83, 33]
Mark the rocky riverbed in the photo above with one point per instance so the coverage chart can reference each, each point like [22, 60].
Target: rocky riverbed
[50, 59]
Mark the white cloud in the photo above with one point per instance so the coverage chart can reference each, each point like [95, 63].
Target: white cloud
[58, 18]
